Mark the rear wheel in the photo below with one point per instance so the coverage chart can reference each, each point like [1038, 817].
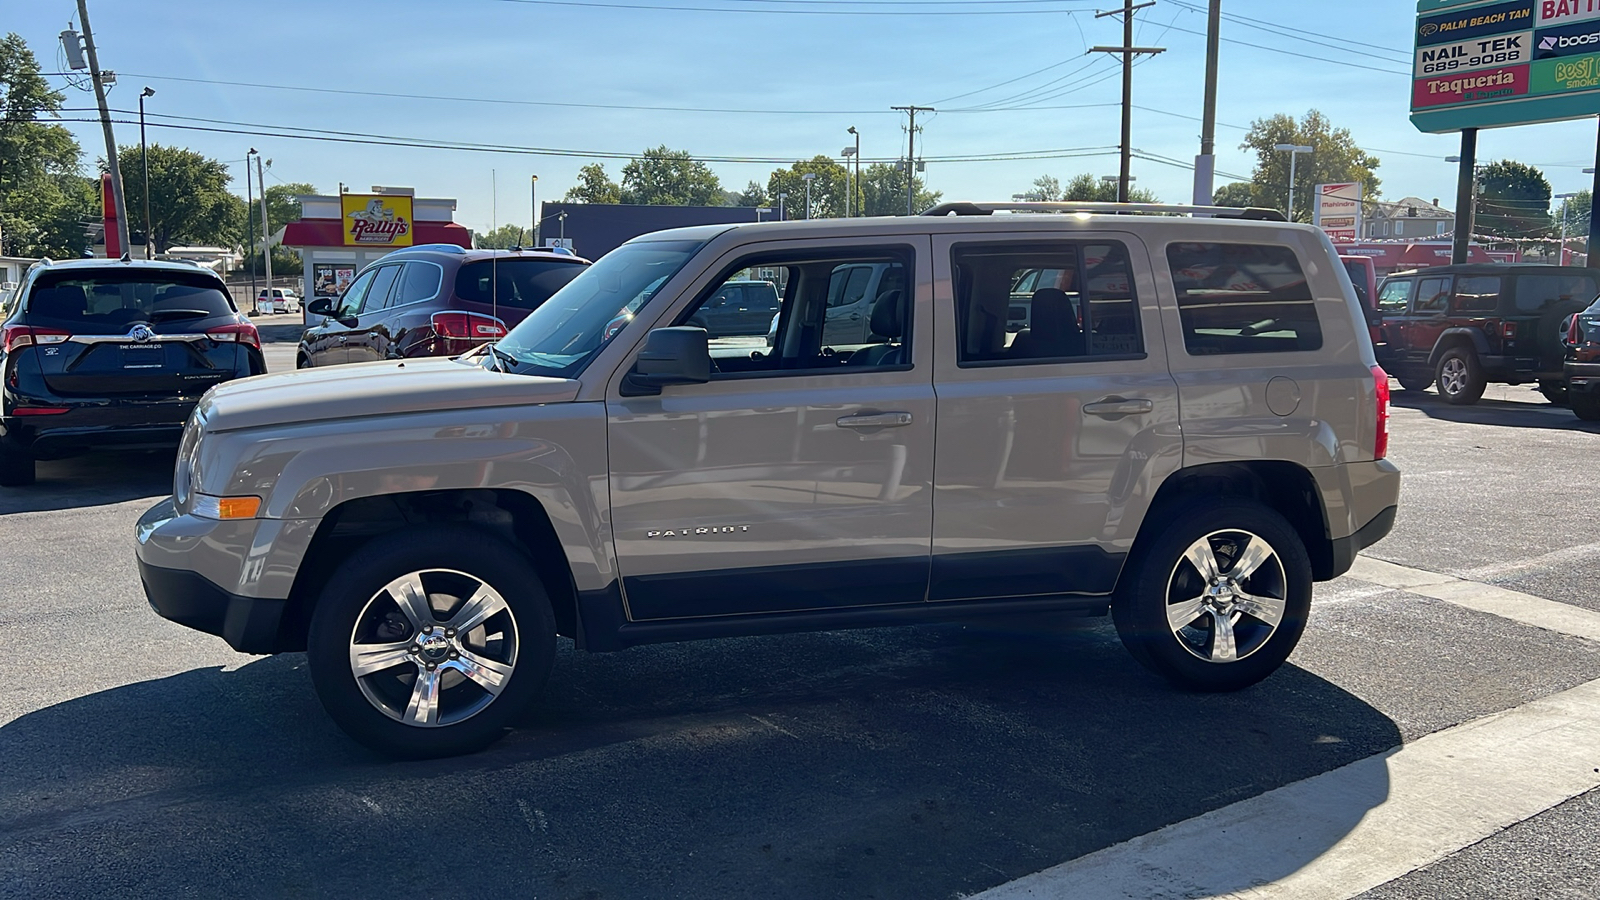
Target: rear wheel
[1218, 599]
[1586, 407]
[16, 467]
[1554, 391]
[430, 641]
[1459, 376]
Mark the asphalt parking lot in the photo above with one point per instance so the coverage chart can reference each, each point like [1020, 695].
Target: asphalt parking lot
[144, 759]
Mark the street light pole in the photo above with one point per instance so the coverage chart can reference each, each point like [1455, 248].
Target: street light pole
[855, 155]
[534, 199]
[808, 178]
[144, 161]
[266, 230]
[1294, 151]
[250, 224]
[1561, 257]
[782, 211]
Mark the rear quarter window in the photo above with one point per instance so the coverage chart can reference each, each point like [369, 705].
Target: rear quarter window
[1536, 293]
[1243, 298]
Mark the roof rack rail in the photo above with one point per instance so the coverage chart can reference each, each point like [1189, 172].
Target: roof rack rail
[969, 208]
[436, 248]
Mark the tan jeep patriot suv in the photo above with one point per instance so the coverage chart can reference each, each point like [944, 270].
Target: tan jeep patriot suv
[1188, 432]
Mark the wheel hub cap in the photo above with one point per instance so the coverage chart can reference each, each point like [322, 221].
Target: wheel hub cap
[434, 647]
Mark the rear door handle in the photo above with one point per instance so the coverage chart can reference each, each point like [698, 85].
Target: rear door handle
[875, 420]
[1117, 407]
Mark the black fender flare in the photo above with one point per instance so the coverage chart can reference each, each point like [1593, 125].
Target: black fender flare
[1452, 337]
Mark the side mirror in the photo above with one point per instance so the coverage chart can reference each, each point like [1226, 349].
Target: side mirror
[322, 306]
[1374, 318]
[679, 355]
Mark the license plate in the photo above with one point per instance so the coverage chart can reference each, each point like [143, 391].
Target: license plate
[143, 356]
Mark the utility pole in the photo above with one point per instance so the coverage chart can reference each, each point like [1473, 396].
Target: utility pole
[105, 125]
[266, 231]
[1127, 51]
[1205, 165]
[911, 155]
[144, 161]
[250, 223]
[534, 196]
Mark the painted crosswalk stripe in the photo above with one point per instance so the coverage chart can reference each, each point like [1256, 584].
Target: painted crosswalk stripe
[1335, 835]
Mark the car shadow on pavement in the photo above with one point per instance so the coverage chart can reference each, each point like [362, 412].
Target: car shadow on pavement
[95, 479]
[896, 763]
[1508, 413]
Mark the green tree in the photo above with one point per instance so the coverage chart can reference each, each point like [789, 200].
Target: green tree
[503, 238]
[1513, 200]
[883, 191]
[45, 202]
[662, 177]
[828, 189]
[1084, 188]
[1237, 193]
[752, 195]
[189, 198]
[1574, 211]
[594, 186]
[1334, 158]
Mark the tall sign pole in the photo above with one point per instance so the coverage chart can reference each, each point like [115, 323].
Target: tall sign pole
[1594, 221]
[1466, 189]
[1205, 165]
[1127, 51]
[121, 206]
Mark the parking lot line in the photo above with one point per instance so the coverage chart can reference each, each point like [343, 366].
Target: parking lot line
[1415, 804]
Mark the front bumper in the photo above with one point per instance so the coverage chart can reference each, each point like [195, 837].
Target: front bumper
[174, 551]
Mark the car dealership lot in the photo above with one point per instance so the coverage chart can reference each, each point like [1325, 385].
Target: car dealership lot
[143, 758]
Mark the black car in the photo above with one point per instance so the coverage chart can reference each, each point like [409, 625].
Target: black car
[1463, 327]
[738, 308]
[432, 300]
[101, 353]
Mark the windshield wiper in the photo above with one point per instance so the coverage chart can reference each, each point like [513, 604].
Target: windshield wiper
[496, 354]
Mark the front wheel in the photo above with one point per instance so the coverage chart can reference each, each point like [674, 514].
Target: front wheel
[1414, 382]
[1218, 598]
[1586, 407]
[1554, 391]
[1460, 376]
[16, 467]
[430, 641]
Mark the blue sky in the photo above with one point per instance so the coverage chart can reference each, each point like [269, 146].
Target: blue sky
[795, 82]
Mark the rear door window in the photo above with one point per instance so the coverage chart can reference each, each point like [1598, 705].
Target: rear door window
[1243, 298]
[420, 281]
[382, 286]
[1535, 293]
[1478, 293]
[110, 302]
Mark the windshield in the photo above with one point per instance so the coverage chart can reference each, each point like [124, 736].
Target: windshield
[562, 335]
[107, 302]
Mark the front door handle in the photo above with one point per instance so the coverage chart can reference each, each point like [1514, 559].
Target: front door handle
[1117, 407]
[875, 420]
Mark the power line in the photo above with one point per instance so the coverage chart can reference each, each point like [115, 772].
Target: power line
[792, 12]
[1337, 62]
[1321, 40]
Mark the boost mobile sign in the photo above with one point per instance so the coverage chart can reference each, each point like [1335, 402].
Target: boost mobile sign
[1489, 63]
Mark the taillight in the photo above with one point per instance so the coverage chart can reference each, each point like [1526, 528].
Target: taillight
[470, 326]
[243, 332]
[1380, 440]
[1508, 330]
[29, 335]
[1575, 331]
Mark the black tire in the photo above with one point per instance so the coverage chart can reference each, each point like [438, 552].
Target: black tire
[1160, 580]
[16, 467]
[1586, 406]
[355, 608]
[301, 361]
[1414, 382]
[1554, 391]
[1459, 376]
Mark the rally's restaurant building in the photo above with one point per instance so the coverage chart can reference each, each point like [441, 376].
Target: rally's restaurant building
[338, 236]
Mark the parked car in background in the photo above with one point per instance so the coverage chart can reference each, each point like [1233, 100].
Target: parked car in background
[739, 308]
[1188, 446]
[1581, 365]
[432, 300]
[113, 353]
[1462, 327]
[281, 300]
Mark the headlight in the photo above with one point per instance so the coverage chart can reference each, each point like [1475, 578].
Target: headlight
[188, 459]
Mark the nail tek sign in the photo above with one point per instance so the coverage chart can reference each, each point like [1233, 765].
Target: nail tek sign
[1485, 64]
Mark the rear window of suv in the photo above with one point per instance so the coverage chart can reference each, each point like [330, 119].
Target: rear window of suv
[1243, 298]
[518, 283]
[109, 302]
[1535, 293]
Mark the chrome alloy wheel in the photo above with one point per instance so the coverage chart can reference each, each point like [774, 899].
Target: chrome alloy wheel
[1453, 376]
[1226, 596]
[433, 648]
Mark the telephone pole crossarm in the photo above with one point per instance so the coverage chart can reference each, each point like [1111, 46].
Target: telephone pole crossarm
[1127, 51]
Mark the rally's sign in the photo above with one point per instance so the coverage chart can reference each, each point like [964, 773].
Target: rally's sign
[1487, 63]
[1337, 210]
[376, 220]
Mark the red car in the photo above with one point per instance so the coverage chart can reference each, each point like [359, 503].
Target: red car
[432, 300]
